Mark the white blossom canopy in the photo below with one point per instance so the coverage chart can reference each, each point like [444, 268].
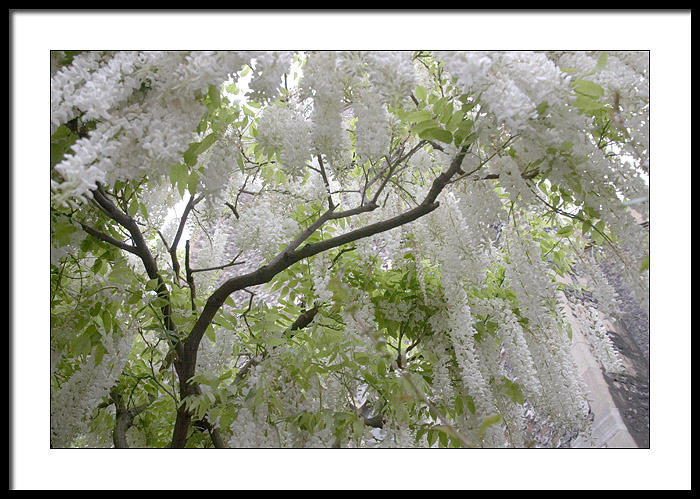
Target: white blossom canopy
[353, 248]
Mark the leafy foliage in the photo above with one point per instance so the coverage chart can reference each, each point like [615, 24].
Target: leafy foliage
[333, 249]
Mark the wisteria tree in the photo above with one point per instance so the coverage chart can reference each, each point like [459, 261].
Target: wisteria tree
[337, 249]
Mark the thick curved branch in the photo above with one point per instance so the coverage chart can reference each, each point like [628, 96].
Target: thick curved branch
[187, 359]
[287, 258]
[325, 217]
[183, 363]
[130, 225]
[141, 249]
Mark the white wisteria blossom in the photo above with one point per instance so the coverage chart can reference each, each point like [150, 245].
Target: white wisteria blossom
[346, 248]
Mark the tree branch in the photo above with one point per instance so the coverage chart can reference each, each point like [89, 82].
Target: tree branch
[125, 418]
[331, 205]
[188, 275]
[188, 358]
[287, 258]
[220, 267]
[109, 239]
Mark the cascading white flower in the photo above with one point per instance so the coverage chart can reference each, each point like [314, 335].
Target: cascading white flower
[146, 122]
[548, 343]
[392, 74]
[134, 138]
[470, 68]
[601, 343]
[536, 75]
[78, 396]
[603, 293]
[220, 164]
[372, 129]
[68, 81]
[268, 70]
[322, 82]
[509, 103]
[285, 130]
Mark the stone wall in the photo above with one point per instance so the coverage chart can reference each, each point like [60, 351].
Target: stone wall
[619, 402]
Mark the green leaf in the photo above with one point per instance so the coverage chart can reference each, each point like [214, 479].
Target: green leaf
[586, 227]
[83, 345]
[442, 437]
[191, 154]
[467, 105]
[421, 93]
[274, 341]
[133, 207]
[100, 351]
[60, 146]
[152, 284]
[470, 404]
[424, 125]
[417, 116]
[214, 95]
[432, 437]
[589, 88]
[587, 104]
[176, 173]
[381, 368]
[437, 134]
[513, 391]
[565, 231]
[446, 113]
[645, 263]
[192, 182]
[491, 420]
[134, 297]
[143, 210]
[463, 131]
[97, 266]
[454, 121]
[602, 60]
[280, 178]
[61, 232]
[459, 406]
[211, 334]
[91, 330]
[339, 290]
[439, 105]
[107, 320]
[197, 148]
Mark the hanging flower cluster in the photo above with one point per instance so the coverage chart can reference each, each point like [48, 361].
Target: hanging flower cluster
[378, 257]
